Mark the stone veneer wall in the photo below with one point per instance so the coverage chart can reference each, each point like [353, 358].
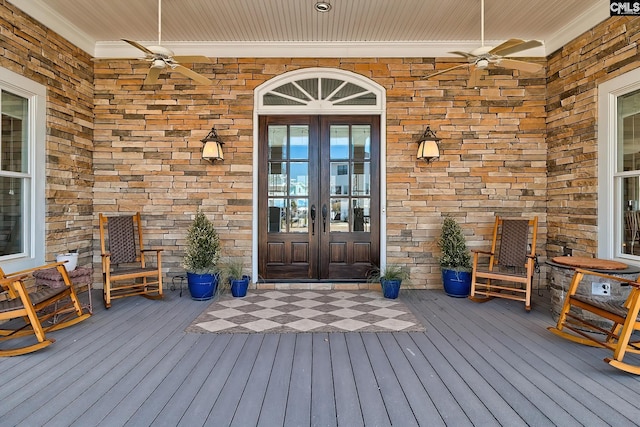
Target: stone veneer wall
[30, 49]
[148, 151]
[574, 73]
[495, 159]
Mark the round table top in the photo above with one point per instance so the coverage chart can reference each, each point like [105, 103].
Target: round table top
[589, 263]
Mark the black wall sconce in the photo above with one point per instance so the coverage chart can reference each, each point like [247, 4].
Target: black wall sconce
[428, 149]
[212, 149]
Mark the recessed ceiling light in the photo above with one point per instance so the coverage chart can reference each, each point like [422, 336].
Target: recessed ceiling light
[323, 6]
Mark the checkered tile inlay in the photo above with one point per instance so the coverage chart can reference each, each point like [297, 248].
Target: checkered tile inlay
[275, 311]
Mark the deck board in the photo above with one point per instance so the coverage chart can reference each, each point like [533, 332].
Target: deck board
[298, 411]
[249, 405]
[274, 404]
[348, 412]
[476, 364]
[323, 408]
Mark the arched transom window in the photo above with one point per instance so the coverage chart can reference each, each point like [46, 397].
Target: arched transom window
[320, 91]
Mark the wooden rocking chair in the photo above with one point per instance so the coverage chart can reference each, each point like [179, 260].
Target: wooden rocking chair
[30, 311]
[125, 268]
[510, 272]
[618, 338]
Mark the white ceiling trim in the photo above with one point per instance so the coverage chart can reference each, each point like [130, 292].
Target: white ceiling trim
[305, 49]
[39, 11]
[587, 20]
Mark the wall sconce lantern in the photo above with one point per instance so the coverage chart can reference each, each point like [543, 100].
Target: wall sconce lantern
[212, 149]
[428, 149]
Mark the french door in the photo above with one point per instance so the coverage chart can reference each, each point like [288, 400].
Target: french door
[319, 204]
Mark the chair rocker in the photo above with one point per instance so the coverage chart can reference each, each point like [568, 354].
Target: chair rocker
[126, 270]
[511, 262]
[29, 311]
[624, 318]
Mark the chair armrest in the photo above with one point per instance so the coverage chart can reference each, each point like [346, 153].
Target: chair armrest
[609, 277]
[31, 270]
[106, 255]
[477, 251]
[5, 283]
[152, 250]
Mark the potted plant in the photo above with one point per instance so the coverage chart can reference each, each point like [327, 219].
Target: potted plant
[238, 282]
[455, 260]
[390, 278]
[201, 258]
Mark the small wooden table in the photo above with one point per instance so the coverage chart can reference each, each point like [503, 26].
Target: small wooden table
[589, 263]
[562, 271]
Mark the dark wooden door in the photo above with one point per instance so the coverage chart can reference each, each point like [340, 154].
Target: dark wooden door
[318, 197]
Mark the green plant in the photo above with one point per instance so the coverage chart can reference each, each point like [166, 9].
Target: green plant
[390, 272]
[453, 247]
[232, 269]
[203, 246]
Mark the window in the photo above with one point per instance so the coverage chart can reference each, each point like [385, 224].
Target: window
[22, 164]
[619, 168]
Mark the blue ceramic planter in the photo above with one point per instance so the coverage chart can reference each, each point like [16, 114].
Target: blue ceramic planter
[456, 283]
[202, 287]
[390, 288]
[239, 286]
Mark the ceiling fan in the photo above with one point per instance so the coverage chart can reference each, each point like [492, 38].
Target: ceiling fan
[482, 57]
[162, 58]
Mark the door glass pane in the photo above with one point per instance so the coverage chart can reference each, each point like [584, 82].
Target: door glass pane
[299, 184]
[339, 184]
[339, 212]
[277, 216]
[361, 179]
[299, 142]
[288, 180]
[298, 216]
[277, 142]
[277, 179]
[361, 215]
[339, 142]
[361, 142]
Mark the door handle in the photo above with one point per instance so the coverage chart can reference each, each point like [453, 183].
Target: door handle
[324, 218]
[313, 220]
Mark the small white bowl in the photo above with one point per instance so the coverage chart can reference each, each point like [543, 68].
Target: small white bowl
[71, 258]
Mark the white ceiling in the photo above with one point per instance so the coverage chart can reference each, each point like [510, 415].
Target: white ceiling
[288, 28]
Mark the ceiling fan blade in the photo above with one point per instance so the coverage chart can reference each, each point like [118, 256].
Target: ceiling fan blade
[152, 76]
[139, 46]
[465, 54]
[508, 48]
[192, 59]
[200, 79]
[528, 67]
[447, 70]
[474, 77]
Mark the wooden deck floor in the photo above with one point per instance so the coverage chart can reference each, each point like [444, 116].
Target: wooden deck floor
[476, 364]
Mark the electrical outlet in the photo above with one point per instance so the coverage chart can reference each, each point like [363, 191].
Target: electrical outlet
[600, 288]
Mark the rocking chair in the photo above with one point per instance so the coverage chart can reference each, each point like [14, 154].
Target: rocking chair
[619, 338]
[28, 312]
[125, 266]
[510, 271]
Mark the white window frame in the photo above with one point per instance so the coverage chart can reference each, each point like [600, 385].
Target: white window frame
[610, 205]
[34, 216]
